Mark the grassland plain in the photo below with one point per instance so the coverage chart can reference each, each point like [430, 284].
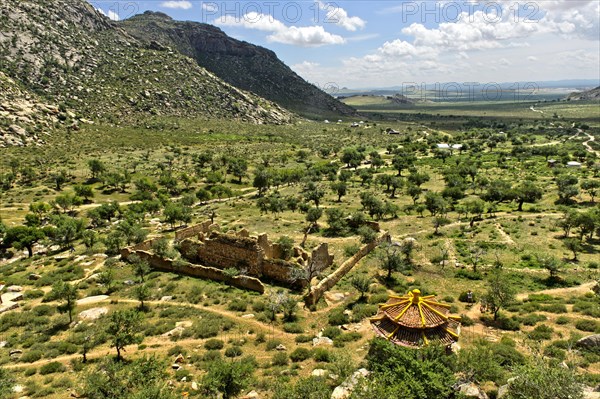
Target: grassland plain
[463, 214]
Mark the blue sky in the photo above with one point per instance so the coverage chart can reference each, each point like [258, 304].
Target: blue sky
[390, 43]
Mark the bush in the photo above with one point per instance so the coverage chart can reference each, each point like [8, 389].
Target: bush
[293, 328]
[300, 354]
[321, 355]
[237, 305]
[541, 332]
[554, 308]
[468, 274]
[272, 344]
[466, 320]
[331, 332]
[176, 350]
[361, 311]
[233, 351]
[586, 325]
[562, 320]
[303, 338]
[280, 359]
[52, 367]
[508, 324]
[337, 317]
[214, 344]
[378, 298]
[31, 356]
[533, 319]
[211, 356]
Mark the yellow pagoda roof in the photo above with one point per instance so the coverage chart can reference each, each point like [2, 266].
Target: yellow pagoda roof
[416, 320]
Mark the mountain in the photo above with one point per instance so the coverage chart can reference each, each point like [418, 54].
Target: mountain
[66, 53]
[239, 63]
[593, 94]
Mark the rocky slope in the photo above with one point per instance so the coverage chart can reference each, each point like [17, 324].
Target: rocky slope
[593, 94]
[64, 52]
[239, 63]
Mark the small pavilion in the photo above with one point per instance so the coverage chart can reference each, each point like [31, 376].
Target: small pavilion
[414, 320]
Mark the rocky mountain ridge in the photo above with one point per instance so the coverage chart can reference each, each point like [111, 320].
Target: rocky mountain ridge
[66, 53]
[239, 63]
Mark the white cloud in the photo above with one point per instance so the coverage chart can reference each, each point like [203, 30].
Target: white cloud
[337, 15]
[113, 16]
[305, 36]
[177, 4]
[532, 58]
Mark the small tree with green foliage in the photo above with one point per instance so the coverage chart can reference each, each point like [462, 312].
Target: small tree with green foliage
[542, 379]
[227, 378]
[123, 328]
[361, 283]
[500, 292]
[66, 293]
[23, 237]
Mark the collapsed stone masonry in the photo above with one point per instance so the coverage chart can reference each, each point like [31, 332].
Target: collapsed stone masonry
[251, 256]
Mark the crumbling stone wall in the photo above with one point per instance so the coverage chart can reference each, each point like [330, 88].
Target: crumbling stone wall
[328, 282]
[255, 256]
[193, 231]
[188, 269]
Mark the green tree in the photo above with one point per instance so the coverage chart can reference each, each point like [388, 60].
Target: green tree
[123, 328]
[227, 378]
[567, 188]
[262, 180]
[528, 192]
[142, 293]
[23, 237]
[96, 168]
[287, 246]
[340, 189]
[500, 292]
[398, 372]
[361, 283]
[175, 212]
[591, 187]
[304, 388]
[390, 259]
[86, 192]
[573, 245]
[541, 379]
[68, 294]
[550, 263]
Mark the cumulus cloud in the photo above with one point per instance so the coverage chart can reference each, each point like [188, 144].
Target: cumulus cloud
[305, 36]
[112, 15]
[177, 4]
[337, 15]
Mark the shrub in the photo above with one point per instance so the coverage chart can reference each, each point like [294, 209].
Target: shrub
[378, 298]
[561, 320]
[337, 317]
[508, 324]
[272, 344]
[233, 351]
[468, 274]
[361, 311]
[280, 359]
[321, 355]
[541, 332]
[52, 367]
[586, 325]
[31, 356]
[293, 328]
[466, 320]
[214, 344]
[533, 319]
[303, 338]
[554, 308]
[237, 305]
[211, 356]
[331, 332]
[300, 354]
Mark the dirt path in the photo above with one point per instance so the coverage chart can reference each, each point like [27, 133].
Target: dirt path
[587, 146]
[507, 238]
[580, 289]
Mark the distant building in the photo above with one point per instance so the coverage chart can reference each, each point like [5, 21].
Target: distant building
[443, 146]
[354, 124]
[552, 163]
[573, 164]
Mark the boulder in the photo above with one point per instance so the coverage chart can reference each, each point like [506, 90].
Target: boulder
[93, 314]
[14, 288]
[322, 341]
[318, 373]
[471, 390]
[589, 342]
[251, 395]
[34, 276]
[281, 347]
[344, 390]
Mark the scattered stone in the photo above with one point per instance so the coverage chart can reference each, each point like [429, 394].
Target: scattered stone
[93, 314]
[14, 288]
[12, 297]
[251, 395]
[128, 282]
[176, 331]
[471, 390]
[185, 323]
[34, 276]
[8, 306]
[248, 316]
[344, 390]
[180, 359]
[322, 341]
[18, 388]
[175, 366]
[318, 373]
[194, 386]
[281, 347]
[166, 298]
[184, 379]
[334, 297]
[3, 344]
